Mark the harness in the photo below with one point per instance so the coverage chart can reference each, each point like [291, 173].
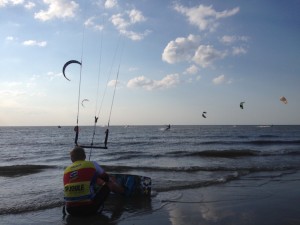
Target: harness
[79, 183]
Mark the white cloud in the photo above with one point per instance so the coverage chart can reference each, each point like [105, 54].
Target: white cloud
[52, 75]
[11, 84]
[204, 17]
[12, 93]
[193, 69]
[10, 38]
[206, 54]
[4, 3]
[112, 83]
[189, 49]
[221, 80]
[13, 89]
[124, 21]
[229, 40]
[182, 49]
[238, 51]
[136, 16]
[19, 95]
[226, 39]
[140, 81]
[110, 4]
[17, 2]
[35, 43]
[57, 9]
[167, 82]
[90, 22]
[29, 5]
[135, 36]
[119, 22]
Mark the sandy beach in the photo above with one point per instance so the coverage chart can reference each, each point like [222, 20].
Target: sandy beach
[253, 199]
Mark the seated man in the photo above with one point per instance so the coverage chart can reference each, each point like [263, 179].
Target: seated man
[86, 185]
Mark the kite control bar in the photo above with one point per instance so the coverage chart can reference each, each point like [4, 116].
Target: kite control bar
[76, 129]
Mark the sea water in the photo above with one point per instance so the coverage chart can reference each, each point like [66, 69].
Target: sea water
[32, 159]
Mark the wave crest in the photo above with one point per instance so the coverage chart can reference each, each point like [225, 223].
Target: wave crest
[20, 170]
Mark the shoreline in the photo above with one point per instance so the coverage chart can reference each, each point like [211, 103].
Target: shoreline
[254, 199]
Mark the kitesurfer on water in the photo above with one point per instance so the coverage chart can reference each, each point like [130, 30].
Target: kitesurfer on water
[86, 185]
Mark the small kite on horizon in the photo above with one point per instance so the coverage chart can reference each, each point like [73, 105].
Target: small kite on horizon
[84, 101]
[203, 115]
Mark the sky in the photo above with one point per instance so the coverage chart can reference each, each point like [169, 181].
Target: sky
[171, 60]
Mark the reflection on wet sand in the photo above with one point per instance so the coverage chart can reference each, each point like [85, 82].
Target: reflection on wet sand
[116, 209]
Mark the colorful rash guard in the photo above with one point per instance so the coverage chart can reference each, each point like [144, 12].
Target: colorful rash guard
[80, 182]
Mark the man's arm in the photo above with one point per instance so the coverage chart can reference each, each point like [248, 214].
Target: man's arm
[101, 172]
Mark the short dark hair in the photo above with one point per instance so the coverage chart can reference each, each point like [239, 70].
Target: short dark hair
[77, 153]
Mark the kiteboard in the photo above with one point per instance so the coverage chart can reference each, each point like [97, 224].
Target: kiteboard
[134, 185]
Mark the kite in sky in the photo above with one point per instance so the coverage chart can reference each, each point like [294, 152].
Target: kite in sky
[283, 99]
[83, 102]
[68, 63]
[242, 105]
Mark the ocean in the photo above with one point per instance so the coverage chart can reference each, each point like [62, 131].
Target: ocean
[32, 159]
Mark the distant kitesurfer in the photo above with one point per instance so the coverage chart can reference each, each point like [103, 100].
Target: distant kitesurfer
[168, 127]
[86, 185]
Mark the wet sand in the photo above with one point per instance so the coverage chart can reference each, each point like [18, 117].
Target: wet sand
[258, 199]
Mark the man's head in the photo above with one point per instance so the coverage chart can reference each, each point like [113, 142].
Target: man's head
[77, 154]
